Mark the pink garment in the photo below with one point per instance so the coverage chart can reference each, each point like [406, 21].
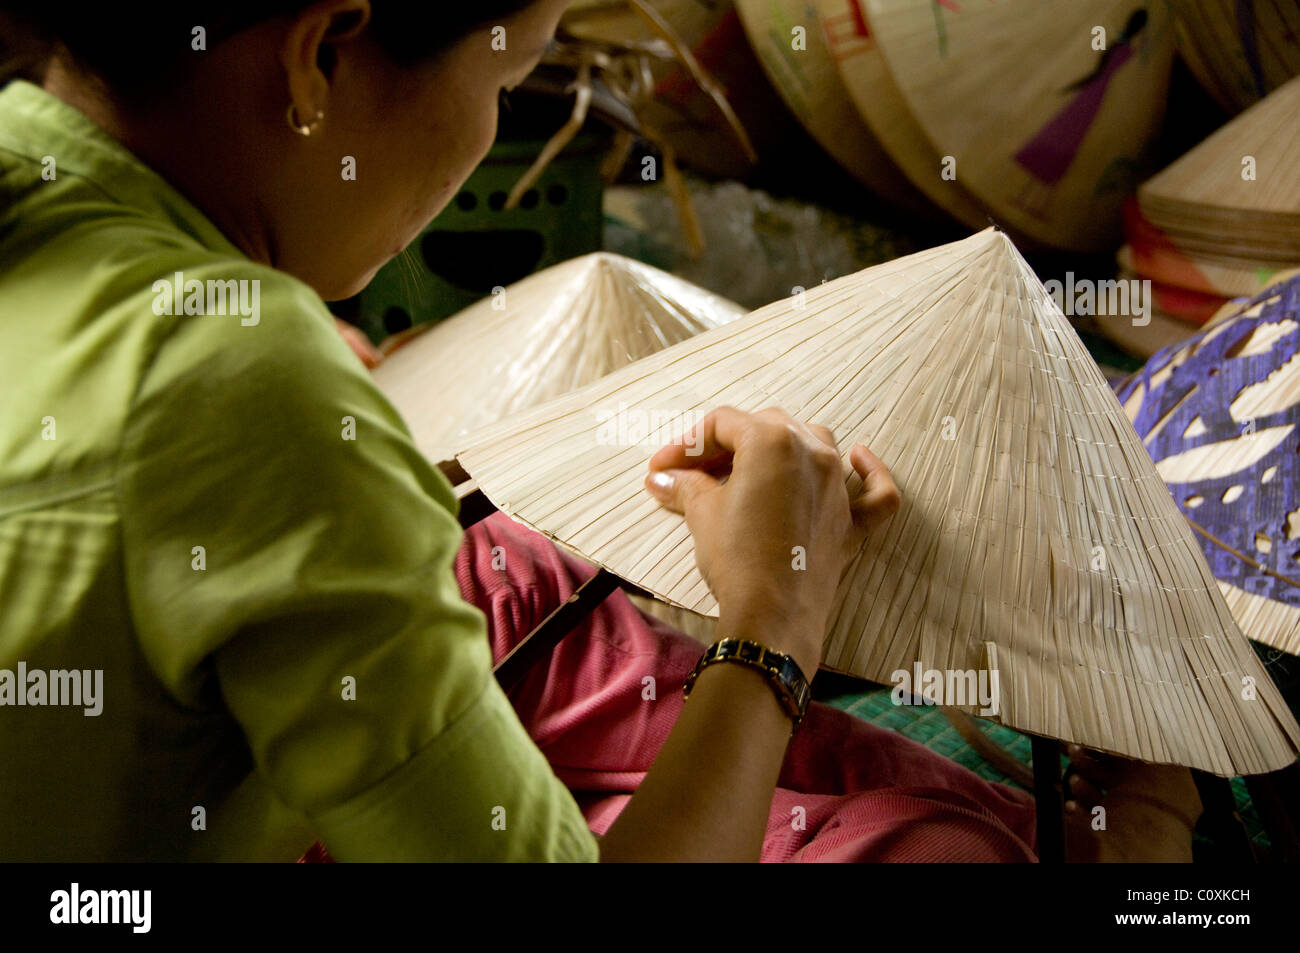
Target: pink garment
[868, 794]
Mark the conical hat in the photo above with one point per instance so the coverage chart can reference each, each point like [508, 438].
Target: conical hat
[1140, 335]
[1220, 414]
[872, 90]
[1238, 193]
[1046, 131]
[1153, 254]
[546, 335]
[1035, 541]
[1240, 52]
[1192, 308]
[811, 86]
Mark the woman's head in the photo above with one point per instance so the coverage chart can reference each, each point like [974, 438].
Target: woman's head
[399, 99]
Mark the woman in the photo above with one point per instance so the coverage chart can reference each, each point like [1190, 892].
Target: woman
[205, 500]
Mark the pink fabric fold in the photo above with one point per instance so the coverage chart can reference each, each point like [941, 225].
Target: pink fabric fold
[848, 791]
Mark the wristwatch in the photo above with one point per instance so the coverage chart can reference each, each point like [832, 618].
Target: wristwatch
[783, 672]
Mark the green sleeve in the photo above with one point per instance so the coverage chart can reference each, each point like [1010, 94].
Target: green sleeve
[326, 571]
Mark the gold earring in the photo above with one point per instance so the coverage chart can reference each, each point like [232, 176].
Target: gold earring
[297, 125]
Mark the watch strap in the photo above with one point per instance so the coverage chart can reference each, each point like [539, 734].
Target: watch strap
[783, 672]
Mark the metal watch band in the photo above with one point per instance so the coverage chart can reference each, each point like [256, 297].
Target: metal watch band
[783, 672]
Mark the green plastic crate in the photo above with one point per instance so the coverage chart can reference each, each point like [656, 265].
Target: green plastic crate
[476, 245]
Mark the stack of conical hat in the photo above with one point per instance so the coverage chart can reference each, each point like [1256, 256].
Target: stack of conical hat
[787, 37]
[546, 335]
[1154, 255]
[1164, 316]
[1220, 223]
[1234, 200]
[1170, 299]
[1045, 108]
[1036, 541]
[1220, 415]
[1240, 52]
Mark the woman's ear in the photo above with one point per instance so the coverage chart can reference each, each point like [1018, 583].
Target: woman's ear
[349, 23]
[307, 53]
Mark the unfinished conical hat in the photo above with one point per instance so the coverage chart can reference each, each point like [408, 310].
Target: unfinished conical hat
[1220, 415]
[787, 37]
[543, 336]
[1035, 541]
[872, 90]
[1240, 52]
[1046, 127]
[1238, 192]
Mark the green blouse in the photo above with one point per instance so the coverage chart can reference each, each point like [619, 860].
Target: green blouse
[206, 505]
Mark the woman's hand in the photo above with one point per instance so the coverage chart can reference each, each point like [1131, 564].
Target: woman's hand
[772, 537]
[784, 488]
[360, 344]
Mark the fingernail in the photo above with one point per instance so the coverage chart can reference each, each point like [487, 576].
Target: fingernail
[661, 481]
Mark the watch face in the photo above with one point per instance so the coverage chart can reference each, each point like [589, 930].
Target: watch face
[793, 688]
[790, 671]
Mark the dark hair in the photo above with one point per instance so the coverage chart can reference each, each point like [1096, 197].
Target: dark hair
[147, 46]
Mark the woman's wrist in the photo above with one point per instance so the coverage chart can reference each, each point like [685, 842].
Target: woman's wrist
[799, 636]
[781, 672]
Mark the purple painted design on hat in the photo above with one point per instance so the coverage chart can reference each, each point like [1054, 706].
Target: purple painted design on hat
[1213, 379]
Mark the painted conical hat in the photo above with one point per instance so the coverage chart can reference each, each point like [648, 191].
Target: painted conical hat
[1035, 540]
[546, 335]
[879, 102]
[805, 76]
[1046, 131]
[1153, 254]
[1220, 415]
[1192, 308]
[1238, 192]
[1143, 332]
[1240, 52]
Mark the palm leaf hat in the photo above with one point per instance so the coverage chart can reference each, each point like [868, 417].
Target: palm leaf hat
[1036, 539]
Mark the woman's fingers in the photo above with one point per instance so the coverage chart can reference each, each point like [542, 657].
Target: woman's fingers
[678, 472]
[869, 466]
[679, 489]
[880, 497]
[711, 440]
[716, 436]
[360, 344]
[822, 433]
[1101, 770]
[1083, 791]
